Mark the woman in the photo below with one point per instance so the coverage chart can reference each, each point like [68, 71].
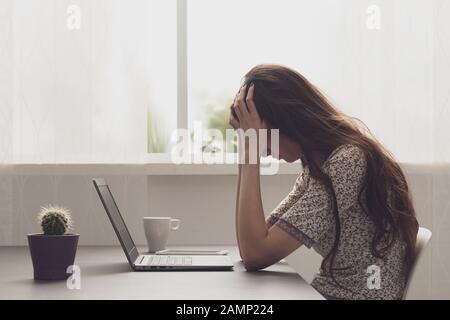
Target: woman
[351, 202]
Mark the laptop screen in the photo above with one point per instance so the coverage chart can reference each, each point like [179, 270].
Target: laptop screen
[117, 221]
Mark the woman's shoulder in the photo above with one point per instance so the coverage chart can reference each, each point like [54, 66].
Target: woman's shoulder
[347, 168]
[346, 157]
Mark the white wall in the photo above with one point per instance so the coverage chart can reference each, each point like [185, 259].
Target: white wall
[205, 204]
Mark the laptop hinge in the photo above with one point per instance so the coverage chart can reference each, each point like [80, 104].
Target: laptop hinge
[139, 260]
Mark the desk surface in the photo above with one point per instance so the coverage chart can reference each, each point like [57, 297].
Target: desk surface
[105, 274]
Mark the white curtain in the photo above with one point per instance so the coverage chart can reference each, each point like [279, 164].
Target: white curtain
[383, 61]
[71, 95]
[76, 78]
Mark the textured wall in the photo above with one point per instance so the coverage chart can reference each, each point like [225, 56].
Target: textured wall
[205, 204]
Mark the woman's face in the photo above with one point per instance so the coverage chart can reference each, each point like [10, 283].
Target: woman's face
[288, 150]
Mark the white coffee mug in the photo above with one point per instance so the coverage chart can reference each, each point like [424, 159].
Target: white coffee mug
[157, 231]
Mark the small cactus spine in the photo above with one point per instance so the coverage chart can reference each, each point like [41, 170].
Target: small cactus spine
[54, 220]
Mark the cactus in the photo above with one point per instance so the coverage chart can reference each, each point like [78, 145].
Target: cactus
[54, 220]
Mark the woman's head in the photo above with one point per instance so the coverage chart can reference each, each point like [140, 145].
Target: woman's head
[305, 118]
[289, 102]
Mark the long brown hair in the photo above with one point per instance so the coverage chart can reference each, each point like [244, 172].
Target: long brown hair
[290, 103]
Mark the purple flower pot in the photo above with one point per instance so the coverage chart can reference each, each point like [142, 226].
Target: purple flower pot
[52, 254]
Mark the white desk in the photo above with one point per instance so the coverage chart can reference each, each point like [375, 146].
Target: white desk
[105, 274]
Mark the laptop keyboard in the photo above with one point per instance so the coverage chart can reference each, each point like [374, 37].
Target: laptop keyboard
[162, 260]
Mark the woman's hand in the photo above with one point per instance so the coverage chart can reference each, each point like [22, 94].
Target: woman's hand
[234, 123]
[245, 115]
[245, 118]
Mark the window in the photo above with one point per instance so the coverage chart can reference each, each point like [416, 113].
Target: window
[82, 81]
[236, 35]
[162, 72]
[115, 86]
[368, 71]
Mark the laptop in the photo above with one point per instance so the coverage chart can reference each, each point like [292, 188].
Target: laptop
[153, 262]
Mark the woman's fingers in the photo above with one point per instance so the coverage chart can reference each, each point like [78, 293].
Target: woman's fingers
[249, 100]
[234, 123]
[241, 102]
[236, 107]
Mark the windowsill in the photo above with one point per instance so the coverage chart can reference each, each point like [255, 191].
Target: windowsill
[170, 169]
[149, 169]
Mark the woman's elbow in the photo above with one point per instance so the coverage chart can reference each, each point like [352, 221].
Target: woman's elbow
[253, 263]
[251, 266]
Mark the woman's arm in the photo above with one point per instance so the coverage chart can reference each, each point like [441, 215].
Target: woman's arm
[237, 206]
[235, 125]
[259, 246]
[250, 221]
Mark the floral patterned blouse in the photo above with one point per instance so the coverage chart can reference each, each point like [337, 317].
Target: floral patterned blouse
[306, 215]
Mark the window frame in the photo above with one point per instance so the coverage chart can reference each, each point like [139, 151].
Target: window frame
[182, 107]
[182, 67]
